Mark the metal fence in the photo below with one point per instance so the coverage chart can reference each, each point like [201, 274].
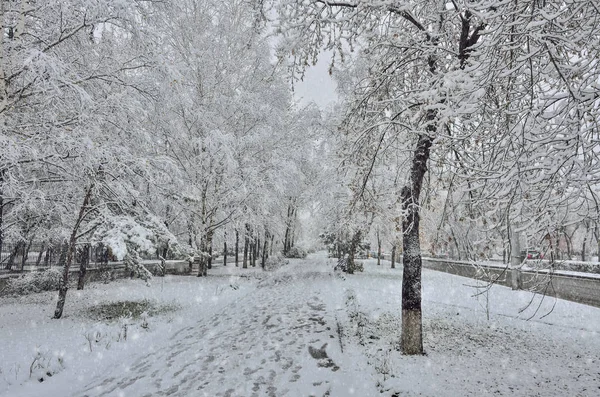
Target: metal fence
[25, 256]
[33, 255]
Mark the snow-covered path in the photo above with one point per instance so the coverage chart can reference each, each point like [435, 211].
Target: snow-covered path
[278, 340]
[302, 331]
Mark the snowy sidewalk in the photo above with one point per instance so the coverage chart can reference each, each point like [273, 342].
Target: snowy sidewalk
[278, 340]
[302, 331]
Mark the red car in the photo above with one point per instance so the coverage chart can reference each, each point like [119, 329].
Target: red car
[532, 254]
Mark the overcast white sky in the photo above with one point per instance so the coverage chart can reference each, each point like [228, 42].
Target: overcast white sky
[317, 86]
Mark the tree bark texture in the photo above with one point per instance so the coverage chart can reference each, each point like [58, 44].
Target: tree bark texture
[64, 285]
[83, 265]
[412, 327]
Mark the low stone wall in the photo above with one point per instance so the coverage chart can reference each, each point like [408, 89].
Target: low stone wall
[465, 269]
[577, 288]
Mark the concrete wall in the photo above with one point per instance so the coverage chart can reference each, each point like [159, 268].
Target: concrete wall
[576, 288]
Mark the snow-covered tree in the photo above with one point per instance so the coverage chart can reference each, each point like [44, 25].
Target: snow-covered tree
[497, 91]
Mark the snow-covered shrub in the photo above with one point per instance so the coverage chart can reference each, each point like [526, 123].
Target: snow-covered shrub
[107, 275]
[45, 364]
[46, 280]
[295, 252]
[275, 262]
[125, 235]
[359, 321]
[134, 266]
[359, 266]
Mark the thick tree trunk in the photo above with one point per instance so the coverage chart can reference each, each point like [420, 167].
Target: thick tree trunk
[412, 326]
[83, 265]
[64, 285]
[393, 257]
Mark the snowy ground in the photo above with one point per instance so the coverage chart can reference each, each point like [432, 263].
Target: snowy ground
[299, 331]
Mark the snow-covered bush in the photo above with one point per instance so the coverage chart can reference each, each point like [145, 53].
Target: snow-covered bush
[128, 234]
[359, 266]
[275, 262]
[47, 280]
[295, 252]
[107, 275]
[45, 364]
[134, 266]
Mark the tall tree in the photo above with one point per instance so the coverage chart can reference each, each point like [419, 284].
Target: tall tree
[431, 70]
